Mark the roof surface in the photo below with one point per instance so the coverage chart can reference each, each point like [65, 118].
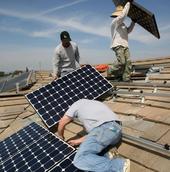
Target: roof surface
[144, 116]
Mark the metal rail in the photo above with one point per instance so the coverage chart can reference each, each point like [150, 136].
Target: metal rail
[165, 84]
[142, 94]
[163, 150]
[31, 78]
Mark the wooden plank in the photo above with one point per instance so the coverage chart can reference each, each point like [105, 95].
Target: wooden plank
[155, 132]
[165, 139]
[13, 102]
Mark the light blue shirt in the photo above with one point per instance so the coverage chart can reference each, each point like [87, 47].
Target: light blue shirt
[91, 113]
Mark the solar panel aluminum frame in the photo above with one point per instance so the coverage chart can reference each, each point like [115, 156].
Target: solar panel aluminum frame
[36, 142]
[73, 94]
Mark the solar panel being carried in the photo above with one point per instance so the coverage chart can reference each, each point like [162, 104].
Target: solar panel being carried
[142, 16]
[35, 149]
[53, 100]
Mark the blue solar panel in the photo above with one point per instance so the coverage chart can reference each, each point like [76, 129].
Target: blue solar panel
[19, 140]
[53, 100]
[66, 165]
[39, 154]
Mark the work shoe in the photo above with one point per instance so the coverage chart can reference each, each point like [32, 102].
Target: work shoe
[112, 153]
[126, 167]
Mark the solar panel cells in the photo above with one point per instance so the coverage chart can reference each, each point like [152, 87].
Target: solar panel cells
[19, 140]
[66, 165]
[145, 18]
[39, 153]
[53, 100]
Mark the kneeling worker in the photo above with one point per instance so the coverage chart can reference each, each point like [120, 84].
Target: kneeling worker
[103, 130]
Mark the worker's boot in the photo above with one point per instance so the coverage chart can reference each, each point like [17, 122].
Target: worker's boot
[113, 153]
[126, 167]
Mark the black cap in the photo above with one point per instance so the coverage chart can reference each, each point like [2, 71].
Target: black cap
[65, 35]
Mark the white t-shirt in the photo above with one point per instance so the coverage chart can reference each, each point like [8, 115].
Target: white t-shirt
[91, 113]
[119, 31]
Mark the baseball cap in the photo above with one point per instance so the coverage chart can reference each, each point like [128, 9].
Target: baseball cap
[65, 35]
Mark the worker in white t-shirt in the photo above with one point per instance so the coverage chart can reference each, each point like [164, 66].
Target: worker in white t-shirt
[66, 57]
[119, 44]
[103, 130]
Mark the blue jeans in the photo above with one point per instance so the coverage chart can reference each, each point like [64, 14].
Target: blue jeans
[87, 157]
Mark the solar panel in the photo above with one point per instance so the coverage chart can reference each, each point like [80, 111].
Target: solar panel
[53, 100]
[40, 155]
[19, 140]
[66, 165]
[143, 16]
[10, 83]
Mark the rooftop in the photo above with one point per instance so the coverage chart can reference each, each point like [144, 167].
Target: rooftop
[143, 105]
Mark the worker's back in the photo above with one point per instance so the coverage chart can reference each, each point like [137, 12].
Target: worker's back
[91, 113]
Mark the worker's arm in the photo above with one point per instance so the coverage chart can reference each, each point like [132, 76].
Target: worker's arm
[62, 123]
[77, 142]
[56, 67]
[131, 27]
[124, 13]
[77, 56]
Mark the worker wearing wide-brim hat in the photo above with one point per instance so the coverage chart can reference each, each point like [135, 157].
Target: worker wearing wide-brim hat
[119, 34]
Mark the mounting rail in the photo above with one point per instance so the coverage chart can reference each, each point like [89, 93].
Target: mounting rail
[140, 93]
[147, 145]
[165, 84]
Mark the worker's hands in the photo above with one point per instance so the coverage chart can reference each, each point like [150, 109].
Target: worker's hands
[55, 77]
[74, 142]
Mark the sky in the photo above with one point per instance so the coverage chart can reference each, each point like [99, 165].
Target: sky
[30, 31]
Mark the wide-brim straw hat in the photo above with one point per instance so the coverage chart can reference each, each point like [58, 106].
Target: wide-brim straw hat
[118, 11]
